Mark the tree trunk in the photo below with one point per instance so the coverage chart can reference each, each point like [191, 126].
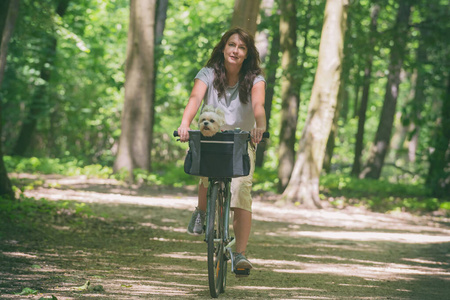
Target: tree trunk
[8, 27]
[290, 99]
[341, 110]
[245, 15]
[419, 96]
[359, 144]
[4, 5]
[331, 141]
[303, 188]
[136, 136]
[383, 135]
[160, 24]
[271, 72]
[438, 179]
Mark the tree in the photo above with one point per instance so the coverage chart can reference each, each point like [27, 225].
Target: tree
[303, 187]
[356, 168]
[383, 135]
[270, 72]
[160, 22]
[8, 26]
[39, 103]
[438, 179]
[136, 138]
[245, 14]
[290, 98]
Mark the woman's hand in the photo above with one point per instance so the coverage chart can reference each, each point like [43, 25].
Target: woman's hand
[183, 133]
[257, 134]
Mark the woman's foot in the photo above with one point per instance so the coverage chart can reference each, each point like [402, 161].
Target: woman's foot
[195, 226]
[241, 262]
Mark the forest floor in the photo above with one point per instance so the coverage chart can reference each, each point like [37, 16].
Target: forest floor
[133, 245]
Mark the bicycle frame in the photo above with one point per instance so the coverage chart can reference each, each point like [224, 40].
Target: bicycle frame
[224, 188]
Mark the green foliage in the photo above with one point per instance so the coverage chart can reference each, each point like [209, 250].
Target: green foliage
[265, 179]
[378, 195]
[28, 291]
[69, 167]
[30, 210]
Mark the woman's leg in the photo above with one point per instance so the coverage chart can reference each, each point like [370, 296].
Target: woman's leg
[242, 224]
[202, 193]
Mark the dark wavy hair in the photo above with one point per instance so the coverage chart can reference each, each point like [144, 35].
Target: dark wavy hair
[249, 70]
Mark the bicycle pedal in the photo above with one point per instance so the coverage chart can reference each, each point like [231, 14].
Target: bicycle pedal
[242, 272]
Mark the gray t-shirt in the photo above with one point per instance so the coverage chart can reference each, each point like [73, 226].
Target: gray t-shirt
[237, 115]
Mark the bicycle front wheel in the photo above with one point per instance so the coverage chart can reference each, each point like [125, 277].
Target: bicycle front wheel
[215, 241]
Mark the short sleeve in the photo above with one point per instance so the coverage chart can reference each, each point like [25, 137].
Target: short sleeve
[206, 75]
[258, 79]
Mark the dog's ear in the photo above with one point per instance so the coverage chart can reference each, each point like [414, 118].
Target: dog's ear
[221, 114]
[207, 108]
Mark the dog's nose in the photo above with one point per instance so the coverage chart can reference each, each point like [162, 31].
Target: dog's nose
[205, 123]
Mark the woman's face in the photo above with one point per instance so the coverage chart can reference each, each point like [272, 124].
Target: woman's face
[235, 51]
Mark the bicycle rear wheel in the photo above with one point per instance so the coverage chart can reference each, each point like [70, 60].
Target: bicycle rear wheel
[215, 241]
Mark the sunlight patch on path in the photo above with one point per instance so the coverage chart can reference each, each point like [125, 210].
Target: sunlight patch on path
[111, 198]
[183, 255]
[378, 270]
[366, 236]
[351, 218]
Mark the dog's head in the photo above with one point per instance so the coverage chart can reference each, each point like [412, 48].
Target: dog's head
[210, 120]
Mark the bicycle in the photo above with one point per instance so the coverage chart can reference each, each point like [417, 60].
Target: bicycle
[217, 234]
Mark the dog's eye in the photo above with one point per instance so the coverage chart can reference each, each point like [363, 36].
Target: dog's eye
[212, 121]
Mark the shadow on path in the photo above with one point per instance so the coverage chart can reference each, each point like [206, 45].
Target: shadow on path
[135, 246]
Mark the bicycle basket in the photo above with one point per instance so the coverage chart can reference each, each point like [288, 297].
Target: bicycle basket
[223, 155]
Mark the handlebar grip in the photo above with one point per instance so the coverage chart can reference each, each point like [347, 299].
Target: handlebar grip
[175, 133]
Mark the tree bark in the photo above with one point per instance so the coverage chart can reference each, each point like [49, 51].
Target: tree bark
[245, 15]
[160, 24]
[383, 135]
[290, 99]
[331, 141]
[359, 144]
[271, 72]
[303, 188]
[419, 96]
[8, 27]
[341, 110]
[136, 136]
[438, 179]
[4, 5]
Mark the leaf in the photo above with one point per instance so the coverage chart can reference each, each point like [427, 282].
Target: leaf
[97, 288]
[84, 287]
[28, 291]
[48, 298]
[36, 267]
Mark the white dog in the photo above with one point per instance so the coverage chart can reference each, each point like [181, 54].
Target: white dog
[211, 119]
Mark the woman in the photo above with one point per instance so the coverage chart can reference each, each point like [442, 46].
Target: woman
[231, 80]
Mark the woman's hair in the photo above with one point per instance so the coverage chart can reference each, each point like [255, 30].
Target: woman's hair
[249, 70]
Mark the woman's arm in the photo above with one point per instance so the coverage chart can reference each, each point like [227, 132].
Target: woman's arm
[195, 100]
[258, 96]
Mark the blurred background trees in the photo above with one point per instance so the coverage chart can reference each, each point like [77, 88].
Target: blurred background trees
[64, 85]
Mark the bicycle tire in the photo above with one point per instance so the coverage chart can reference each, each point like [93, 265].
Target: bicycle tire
[215, 241]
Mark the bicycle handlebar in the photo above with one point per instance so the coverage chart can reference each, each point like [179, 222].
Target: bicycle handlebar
[266, 134]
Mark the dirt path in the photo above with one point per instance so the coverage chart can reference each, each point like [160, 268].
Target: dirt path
[138, 249]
